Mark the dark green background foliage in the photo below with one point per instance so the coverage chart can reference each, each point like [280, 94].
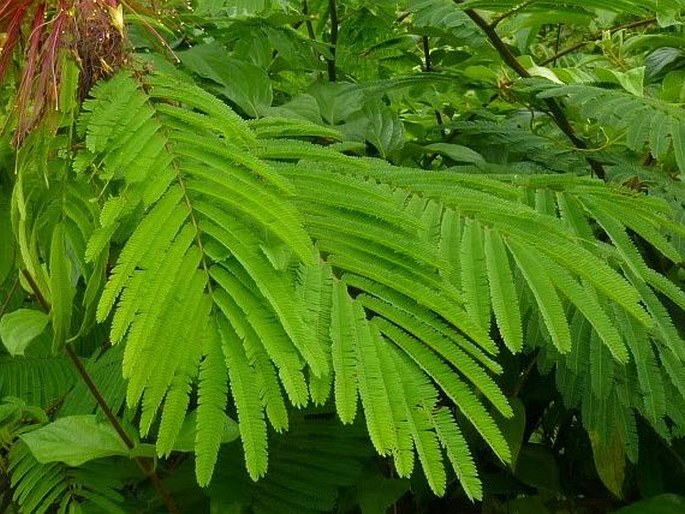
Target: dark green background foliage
[343, 256]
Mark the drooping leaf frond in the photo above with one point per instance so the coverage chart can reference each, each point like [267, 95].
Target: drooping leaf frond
[245, 395]
[502, 289]
[320, 267]
[315, 286]
[169, 258]
[211, 405]
[549, 241]
[343, 341]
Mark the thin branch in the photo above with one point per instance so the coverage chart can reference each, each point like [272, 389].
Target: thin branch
[595, 36]
[102, 403]
[557, 43]
[36, 291]
[82, 371]
[427, 64]
[308, 20]
[511, 12]
[145, 465]
[310, 30]
[555, 110]
[428, 67]
[333, 13]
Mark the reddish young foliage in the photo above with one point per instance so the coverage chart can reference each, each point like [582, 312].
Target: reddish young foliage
[42, 31]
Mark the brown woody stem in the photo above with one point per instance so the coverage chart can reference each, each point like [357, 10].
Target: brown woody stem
[428, 67]
[146, 466]
[556, 112]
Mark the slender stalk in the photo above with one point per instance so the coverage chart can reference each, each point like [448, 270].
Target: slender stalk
[595, 36]
[511, 12]
[146, 466]
[308, 20]
[102, 403]
[555, 110]
[557, 43]
[333, 13]
[36, 291]
[428, 67]
[310, 29]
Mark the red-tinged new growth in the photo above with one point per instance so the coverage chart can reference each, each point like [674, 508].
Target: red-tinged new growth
[44, 32]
